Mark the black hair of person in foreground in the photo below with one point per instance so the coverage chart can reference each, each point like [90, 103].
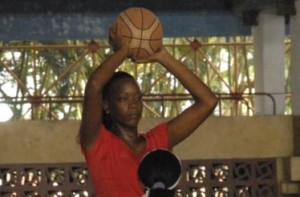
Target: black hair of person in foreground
[159, 172]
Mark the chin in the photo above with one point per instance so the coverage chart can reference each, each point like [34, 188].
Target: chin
[133, 124]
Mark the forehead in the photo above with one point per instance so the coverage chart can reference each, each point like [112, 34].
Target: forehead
[125, 85]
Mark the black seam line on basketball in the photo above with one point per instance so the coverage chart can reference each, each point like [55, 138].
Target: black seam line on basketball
[140, 44]
[149, 27]
[130, 20]
[150, 39]
[131, 23]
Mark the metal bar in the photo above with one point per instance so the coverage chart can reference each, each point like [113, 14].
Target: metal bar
[66, 72]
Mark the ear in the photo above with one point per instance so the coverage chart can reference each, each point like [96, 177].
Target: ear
[106, 106]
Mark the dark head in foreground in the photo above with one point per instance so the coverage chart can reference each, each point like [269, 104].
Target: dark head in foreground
[160, 172]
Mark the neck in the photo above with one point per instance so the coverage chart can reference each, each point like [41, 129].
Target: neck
[131, 137]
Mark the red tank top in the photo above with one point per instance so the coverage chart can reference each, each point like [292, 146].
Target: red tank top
[113, 166]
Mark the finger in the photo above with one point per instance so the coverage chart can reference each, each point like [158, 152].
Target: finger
[119, 28]
[144, 60]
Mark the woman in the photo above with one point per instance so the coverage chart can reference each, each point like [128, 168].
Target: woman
[112, 109]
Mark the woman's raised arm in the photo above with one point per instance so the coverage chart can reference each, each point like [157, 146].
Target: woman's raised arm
[93, 101]
[205, 101]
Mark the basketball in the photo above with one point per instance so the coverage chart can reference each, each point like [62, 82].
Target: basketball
[142, 29]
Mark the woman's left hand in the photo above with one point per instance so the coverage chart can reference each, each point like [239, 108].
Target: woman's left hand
[155, 57]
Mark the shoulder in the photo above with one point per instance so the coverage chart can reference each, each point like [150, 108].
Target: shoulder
[158, 136]
[100, 140]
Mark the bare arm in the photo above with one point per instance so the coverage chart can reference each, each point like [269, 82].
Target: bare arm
[93, 102]
[205, 101]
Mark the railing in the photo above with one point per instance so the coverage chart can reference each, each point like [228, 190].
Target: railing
[236, 98]
[200, 178]
[46, 81]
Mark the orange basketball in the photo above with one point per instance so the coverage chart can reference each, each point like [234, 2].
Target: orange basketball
[143, 31]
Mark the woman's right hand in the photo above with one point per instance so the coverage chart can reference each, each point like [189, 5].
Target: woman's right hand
[116, 40]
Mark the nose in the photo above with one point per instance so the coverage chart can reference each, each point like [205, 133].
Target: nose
[134, 102]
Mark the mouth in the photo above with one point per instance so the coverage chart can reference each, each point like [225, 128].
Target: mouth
[134, 117]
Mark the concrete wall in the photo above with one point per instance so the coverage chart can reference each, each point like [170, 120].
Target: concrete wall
[218, 137]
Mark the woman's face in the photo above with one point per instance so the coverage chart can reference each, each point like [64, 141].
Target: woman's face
[125, 104]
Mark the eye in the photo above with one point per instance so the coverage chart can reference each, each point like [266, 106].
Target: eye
[139, 98]
[123, 98]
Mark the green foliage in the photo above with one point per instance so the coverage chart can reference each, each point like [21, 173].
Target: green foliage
[47, 80]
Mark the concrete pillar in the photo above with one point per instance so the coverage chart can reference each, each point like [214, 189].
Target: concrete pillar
[295, 60]
[295, 76]
[269, 62]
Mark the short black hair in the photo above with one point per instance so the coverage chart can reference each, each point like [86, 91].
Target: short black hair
[114, 78]
[160, 171]
[162, 193]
